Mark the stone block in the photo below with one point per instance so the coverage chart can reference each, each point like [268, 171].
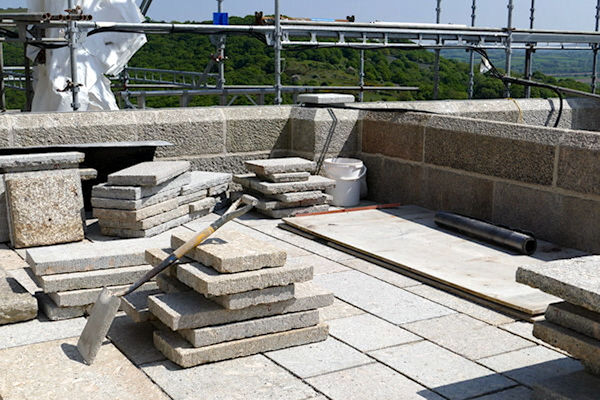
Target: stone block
[250, 129]
[119, 204]
[201, 180]
[104, 190]
[147, 223]
[208, 282]
[280, 166]
[207, 204]
[394, 137]
[135, 305]
[192, 130]
[88, 174]
[150, 173]
[285, 177]
[16, 304]
[237, 301]
[230, 251]
[56, 313]
[314, 183]
[182, 353]
[217, 190]
[132, 216]
[267, 204]
[84, 297]
[488, 153]
[246, 329]
[85, 256]
[291, 212]
[92, 279]
[62, 374]
[156, 230]
[44, 207]
[575, 318]
[40, 162]
[582, 347]
[575, 280]
[190, 310]
[576, 386]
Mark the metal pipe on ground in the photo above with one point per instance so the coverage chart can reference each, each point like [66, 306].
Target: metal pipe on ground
[517, 241]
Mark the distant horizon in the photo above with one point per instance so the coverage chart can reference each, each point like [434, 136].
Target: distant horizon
[490, 13]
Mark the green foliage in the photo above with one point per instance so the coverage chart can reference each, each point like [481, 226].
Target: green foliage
[251, 62]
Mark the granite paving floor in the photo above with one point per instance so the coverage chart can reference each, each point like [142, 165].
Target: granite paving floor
[391, 337]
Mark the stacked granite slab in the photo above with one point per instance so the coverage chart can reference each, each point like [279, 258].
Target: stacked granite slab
[153, 197]
[237, 296]
[41, 202]
[285, 186]
[71, 276]
[572, 325]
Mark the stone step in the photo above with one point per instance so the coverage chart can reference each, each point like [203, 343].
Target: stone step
[313, 183]
[147, 223]
[245, 329]
[104, 190]
[16, 304]
[280, 165]
[268, 295]
[285, 177]
[576, 318]
[201, 180]
[190, 310]
[83, 297]
[40, 161]
[182, 353]
[132, 216]
[575, 280]
[290, 212]
[92, 279]
[232, 251]
[135, 305]
[87, 256]
[582, 347]
[150, 173]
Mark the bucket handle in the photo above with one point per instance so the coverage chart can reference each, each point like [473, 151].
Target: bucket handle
[363, 171]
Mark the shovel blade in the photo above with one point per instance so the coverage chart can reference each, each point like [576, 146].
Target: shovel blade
[97, 326]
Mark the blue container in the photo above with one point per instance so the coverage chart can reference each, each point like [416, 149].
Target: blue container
[220, 18]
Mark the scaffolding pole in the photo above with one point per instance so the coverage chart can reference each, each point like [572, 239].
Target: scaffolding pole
[509, 28]
[278, 98]
[72, 37]
[472, 54]
[2, 87]
[529, 51]
[362, 76]
[436, 65]
[595, 47]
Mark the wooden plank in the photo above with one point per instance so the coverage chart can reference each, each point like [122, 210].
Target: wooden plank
[407, 237]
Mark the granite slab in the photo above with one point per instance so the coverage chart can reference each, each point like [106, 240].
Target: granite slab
[44, 207]
[84, 297]
[268, 295]
[229, 251]
[98, 202]
[285, 177]
[182, 353]
[280, 165]
[576, 318]
[146, 223]
[104, 190]
[40, 161]
[16, 304]
[291, 212]
[135, 305]
[150, 173]
[201, 180]
[315, 182]
[190, 310]
[129, 216]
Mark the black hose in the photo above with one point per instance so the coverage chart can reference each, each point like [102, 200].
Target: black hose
[514, 240]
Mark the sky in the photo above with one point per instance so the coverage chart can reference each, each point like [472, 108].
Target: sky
[550, 14]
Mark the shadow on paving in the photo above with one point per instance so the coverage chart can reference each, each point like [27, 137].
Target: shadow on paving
[528, 376]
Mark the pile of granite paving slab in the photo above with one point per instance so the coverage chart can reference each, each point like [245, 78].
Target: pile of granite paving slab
[572, 325]
[152, 197]
[285, 186]
[72, 275]
[234, 296]
[41, 202]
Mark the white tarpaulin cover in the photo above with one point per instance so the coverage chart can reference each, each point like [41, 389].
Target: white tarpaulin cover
[103, 53]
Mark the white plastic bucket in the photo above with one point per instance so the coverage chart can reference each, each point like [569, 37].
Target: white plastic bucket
[348, 174]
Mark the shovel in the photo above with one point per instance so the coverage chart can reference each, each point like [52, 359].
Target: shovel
[105, 309]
